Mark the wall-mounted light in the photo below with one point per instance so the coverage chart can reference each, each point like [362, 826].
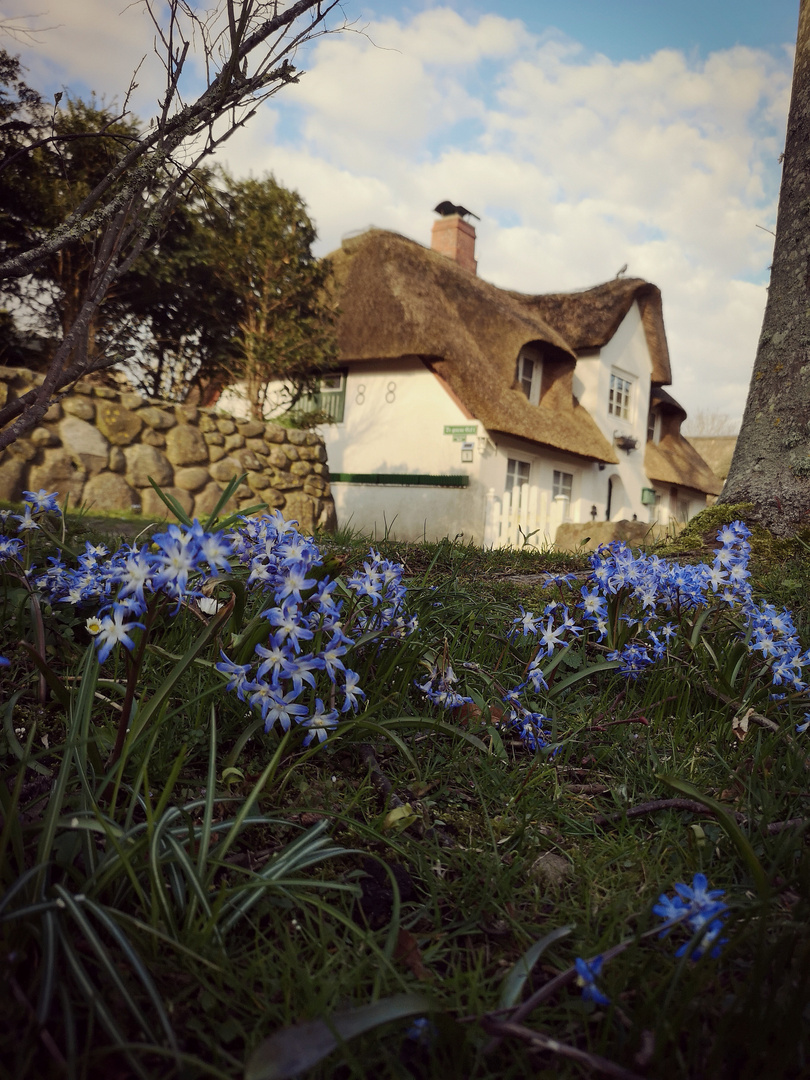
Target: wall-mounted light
[593, 513]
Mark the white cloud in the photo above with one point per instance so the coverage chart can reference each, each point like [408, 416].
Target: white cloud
[575, 163]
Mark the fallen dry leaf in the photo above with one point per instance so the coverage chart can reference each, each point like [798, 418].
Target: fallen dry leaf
[407, 950]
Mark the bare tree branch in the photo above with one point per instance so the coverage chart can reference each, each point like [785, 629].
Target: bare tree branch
[252, 52]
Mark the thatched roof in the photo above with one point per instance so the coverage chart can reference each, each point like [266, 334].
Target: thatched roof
[717, 451]
[673, 460]
[589, 319]
[399, 299]
[659, 396]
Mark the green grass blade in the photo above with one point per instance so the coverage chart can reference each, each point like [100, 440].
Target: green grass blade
[137, 966]
[98, 1006]
[147, 711]
[514, 982]
[729, 827]
[292, 1051]
[172, 504]
[74, 908]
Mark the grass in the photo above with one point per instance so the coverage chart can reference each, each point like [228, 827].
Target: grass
[165, 916]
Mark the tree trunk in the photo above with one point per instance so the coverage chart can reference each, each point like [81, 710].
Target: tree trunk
[771, 464]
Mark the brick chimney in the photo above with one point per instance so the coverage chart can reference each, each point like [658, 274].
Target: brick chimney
[454, 237]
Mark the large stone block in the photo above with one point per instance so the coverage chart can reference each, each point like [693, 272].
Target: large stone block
[234, 442]
[287, 482]
[79, 406]
[312, 453]
[118, 424]
[227, 427]
[248, 459]
[44, 436]
[186, 414]
[24, 449]
[132, 401]
[258, 481]
[192, 478]
[84, 443]
[570, 536]
[106, 392]
[145, 461]
[207, 423]
[153, 438]
[216, 453]
[303, 509]
[153, 506]
[185, 445]
[109, 491]
[278, 459]
[300, 468]
[207, 499]
[214, 438]
[327, 518]
[117, 462]
[12, 478]
[60, 472]
[159, 419]
[275, 433]
[226, 469]
[250, 428]
[296, 437]
[317, 486]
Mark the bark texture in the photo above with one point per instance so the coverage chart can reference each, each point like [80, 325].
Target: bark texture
[771, 464]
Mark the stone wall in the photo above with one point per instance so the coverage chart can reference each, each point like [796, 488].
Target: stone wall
[101, 446]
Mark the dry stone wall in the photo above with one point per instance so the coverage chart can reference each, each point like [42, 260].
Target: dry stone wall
[101, 445]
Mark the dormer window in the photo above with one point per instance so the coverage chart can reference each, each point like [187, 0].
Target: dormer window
[653, 426]
[529, 375]
[619, 397]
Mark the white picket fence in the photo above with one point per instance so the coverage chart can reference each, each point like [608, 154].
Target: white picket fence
[524, 515]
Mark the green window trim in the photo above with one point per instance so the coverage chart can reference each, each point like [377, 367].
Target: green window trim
[400, 479]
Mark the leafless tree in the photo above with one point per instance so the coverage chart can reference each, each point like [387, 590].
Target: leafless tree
[248, 47]
[706, 424]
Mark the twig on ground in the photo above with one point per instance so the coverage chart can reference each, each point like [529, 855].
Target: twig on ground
[772, 828]
[600, 1064]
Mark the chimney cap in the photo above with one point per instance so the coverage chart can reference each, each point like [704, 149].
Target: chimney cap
[447, 208]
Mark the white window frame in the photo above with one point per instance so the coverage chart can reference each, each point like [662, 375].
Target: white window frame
[530, 374]
[562, 484]
[620, 396]
[518, 473]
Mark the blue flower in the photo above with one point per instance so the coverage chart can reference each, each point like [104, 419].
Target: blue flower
[421, 1031]
[587, 972]
[320, 723]
[703, 912]
[114, 630]
[42, 502]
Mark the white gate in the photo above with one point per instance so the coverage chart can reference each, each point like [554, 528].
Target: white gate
[524, 516]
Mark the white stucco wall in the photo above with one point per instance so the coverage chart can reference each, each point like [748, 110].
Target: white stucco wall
[394, 422]
[627, 354]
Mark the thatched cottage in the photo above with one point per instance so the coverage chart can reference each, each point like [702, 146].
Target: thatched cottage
[461, 408]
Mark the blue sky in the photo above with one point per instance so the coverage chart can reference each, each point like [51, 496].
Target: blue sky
[629, 29]
[586, 134]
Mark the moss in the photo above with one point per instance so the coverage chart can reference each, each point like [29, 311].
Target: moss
[701, 531]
